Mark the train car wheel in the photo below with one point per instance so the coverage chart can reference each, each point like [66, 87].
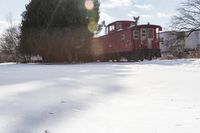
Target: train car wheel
[141, 59]
[150, 58]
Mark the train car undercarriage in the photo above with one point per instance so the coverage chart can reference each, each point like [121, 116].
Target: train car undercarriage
[138, 55]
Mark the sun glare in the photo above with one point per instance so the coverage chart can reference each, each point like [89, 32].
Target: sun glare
[89, 4]
[92, 26]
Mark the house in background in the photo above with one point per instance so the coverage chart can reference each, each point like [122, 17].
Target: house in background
[177, 43]
[172, 41]
[193, 41]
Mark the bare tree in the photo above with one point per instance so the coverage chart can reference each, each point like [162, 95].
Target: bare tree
[9, 43]
[188, 17]
[174, 43]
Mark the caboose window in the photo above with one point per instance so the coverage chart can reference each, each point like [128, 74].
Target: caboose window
[150, 33]
[136, 34]
[143, 33]
[111, 27]
[123, 38]
[118, 26]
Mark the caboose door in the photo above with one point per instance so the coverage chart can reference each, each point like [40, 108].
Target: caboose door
[150, 37]
[150, 43]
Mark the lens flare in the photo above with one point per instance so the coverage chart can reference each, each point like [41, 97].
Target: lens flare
[96, 47]
[92, 26]
[89, 4]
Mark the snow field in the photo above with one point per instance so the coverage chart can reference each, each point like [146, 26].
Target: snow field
[150, 96]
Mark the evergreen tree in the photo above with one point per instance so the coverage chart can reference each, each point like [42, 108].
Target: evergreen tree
[58, 30]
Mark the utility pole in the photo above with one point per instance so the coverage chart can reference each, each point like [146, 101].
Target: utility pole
[105, 26]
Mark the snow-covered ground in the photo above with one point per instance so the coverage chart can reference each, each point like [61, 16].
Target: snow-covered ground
[146, 97]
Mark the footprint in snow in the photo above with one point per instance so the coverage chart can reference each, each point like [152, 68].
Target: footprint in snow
[51, 113]
[179, 125]
[188, 108]
[46, 131]
[62, 101]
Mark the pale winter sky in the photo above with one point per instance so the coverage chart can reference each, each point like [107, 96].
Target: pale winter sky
[153, 11]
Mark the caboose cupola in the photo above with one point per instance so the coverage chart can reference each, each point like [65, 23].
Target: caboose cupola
[119, 25]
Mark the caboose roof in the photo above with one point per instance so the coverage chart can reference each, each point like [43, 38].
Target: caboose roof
[139, 26]
[122, 21]
[150, 26]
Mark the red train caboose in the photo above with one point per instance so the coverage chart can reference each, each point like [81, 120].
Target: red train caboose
[126, 39]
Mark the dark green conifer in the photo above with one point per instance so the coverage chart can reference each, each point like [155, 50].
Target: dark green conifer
[58, 30]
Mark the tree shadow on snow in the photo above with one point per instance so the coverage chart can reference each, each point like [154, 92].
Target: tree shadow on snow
[63, 98]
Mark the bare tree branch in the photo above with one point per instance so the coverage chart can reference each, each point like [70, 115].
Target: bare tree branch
[188, 17]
